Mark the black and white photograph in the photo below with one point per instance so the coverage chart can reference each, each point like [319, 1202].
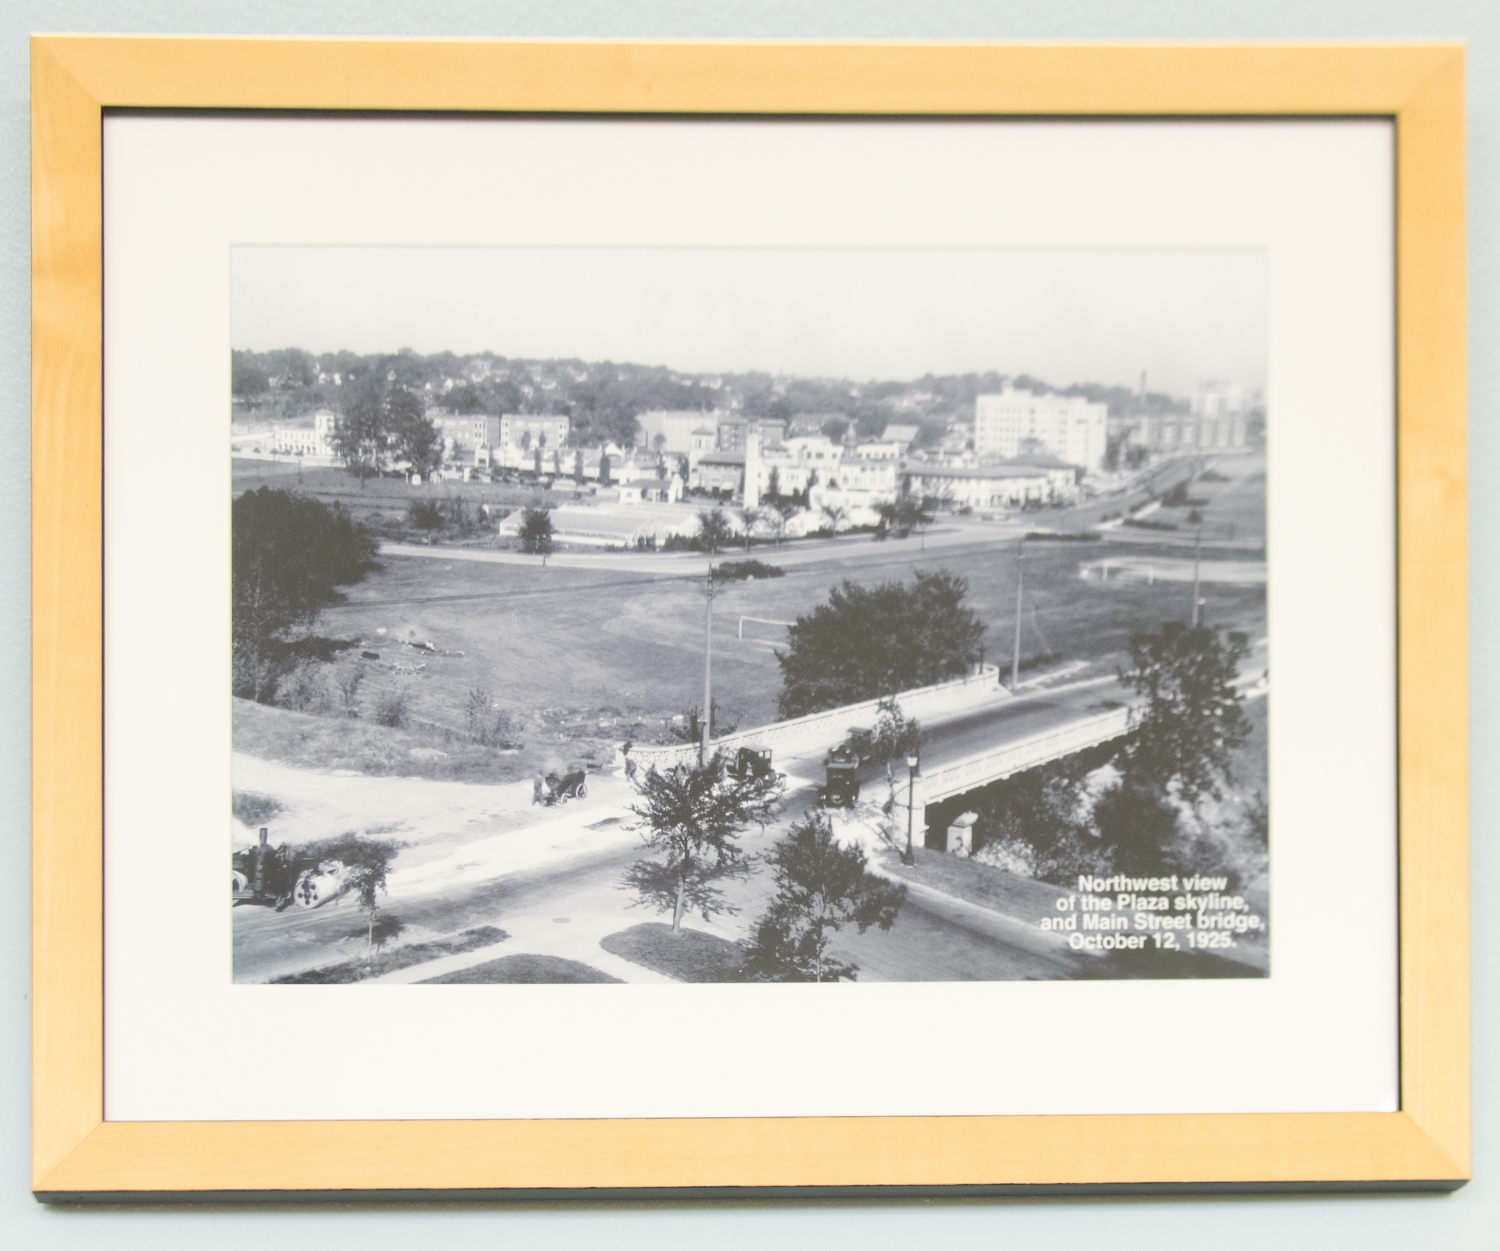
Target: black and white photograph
[747, 615]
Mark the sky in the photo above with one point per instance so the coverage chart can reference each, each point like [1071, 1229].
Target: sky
[888, 314]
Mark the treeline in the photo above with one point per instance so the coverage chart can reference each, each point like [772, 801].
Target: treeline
[602, 399]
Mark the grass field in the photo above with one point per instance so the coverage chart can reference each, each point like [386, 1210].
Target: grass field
[689, 955]
[530, 969]
[587, 658]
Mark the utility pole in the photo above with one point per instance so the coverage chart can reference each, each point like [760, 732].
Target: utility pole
[708, 664]
[1015, 663]
[1197, 553]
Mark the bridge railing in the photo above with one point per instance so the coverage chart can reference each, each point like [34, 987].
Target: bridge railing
[1001, 762]
[833, 724]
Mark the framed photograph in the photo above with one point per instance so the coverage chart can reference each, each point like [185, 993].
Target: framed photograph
[725, 599]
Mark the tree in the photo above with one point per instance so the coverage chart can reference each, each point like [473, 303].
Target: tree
[773, 485]
[905, 515]
[247, 376]
[367, 864]
[835, 515]
[714, 531]
[362, 434]
[1138, 825]
[778, 515]
[894, 736]
[536, 531]
[750, 518]
[691, 729]
[693, 817]
[413, 437]
[290, 555]
[1193, 718]
[426, 515]
[603, 468]
[464, 399]
[577, 471]
[820, 888]
[865, 644]
[1180, 745]
[1038, 823]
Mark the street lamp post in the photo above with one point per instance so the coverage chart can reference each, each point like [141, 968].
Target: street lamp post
[910, 857]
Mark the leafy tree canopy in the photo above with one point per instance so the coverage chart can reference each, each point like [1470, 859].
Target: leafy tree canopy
[869, 643]
[820, 888]
[383, 421]
[693, 818]
[1193, 718]
[290, 555]
[367, 865]
[603, 399]
[248, 376]
[536, 531]
[714, 530]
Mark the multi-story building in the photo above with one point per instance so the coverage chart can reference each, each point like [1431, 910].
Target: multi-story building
[514, 439]
[1178, 432]
[983, 486]
[316, 440]
[1016, 421]
[1220, 399]
[735, 429]
[463, 437]
[673, 431]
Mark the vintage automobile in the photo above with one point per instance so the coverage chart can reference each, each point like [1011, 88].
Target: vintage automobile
[280, 876]
[751, 762]
[553, 789]
[841, 767]
[318, 883]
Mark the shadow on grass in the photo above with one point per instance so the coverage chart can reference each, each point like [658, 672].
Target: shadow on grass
[688, 955]
[523, 969]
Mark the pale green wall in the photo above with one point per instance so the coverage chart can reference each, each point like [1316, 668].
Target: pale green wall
[1371, 1224]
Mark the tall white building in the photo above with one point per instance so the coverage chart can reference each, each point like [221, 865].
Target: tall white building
[1015, 421]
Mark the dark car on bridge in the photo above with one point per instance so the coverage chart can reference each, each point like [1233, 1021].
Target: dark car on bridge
[752, 762]
[841, 785]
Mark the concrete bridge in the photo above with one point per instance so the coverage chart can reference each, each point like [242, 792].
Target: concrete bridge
[946, 779]
[818, 731]
[937, 778]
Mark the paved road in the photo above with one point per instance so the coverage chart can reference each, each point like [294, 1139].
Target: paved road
[268, 944]
[850, 549]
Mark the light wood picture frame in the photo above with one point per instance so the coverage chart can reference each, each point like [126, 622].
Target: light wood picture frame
[79, 1155]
